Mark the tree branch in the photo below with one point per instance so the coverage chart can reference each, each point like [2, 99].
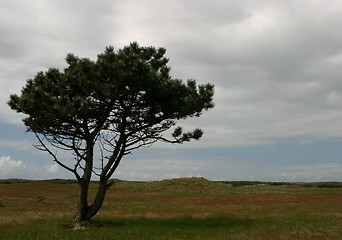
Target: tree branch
[46, 149]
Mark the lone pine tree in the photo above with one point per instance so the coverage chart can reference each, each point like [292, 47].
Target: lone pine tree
[102, 110]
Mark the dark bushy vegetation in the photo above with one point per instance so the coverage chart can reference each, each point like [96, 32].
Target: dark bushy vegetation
[14, 180]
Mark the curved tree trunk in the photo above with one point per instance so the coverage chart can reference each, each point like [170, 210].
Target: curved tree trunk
[99, 199]
[86, 212]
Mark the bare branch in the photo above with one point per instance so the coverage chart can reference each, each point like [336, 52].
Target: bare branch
[46, 149]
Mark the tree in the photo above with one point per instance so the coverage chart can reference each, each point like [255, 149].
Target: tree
[102, 110]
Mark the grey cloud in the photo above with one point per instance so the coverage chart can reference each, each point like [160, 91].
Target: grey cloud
[276, 65]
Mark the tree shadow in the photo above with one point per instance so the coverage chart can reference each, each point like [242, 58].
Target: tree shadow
[183, 222]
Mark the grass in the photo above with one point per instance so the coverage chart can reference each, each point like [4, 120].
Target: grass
[185, 227]
[190, 208]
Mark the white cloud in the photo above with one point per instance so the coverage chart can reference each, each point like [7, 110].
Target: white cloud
[52, 169]
[10, 168]
[312, 172]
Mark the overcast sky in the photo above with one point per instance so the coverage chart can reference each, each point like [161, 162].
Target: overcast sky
[276, 66]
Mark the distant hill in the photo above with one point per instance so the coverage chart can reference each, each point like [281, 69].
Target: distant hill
[197, 182]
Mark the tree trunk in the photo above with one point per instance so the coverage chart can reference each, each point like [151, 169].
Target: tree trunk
[99, 198]
[86, 212]
[82, 207]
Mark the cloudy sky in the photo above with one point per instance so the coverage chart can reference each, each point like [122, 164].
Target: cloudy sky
[276, 65]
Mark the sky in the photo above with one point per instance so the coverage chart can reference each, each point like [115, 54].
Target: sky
[276, 66]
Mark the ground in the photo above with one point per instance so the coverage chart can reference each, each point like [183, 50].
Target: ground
[188, 208]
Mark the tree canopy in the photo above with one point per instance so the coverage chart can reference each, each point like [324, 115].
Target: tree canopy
[124, 100]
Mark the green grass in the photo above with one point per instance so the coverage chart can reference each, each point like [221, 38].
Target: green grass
[190, 208]
[186, 227]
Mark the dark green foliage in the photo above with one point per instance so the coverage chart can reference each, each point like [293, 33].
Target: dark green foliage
[132, 84]
[14, 180]
[330, 185]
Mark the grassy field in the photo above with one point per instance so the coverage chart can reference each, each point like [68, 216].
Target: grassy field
[191, 208]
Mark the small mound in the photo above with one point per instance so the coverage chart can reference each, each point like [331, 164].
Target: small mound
[192, 181]
[192, 184]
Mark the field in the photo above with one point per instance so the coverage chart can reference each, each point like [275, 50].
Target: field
[189, 208]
